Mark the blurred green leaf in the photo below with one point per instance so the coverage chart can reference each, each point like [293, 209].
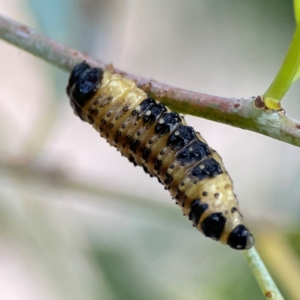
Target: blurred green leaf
[297, 75]
[126, 280]
[294, 240]
[297, 10]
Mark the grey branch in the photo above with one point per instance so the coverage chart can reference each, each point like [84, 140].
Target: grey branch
[248, 114]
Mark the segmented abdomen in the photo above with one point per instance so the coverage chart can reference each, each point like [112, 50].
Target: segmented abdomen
[151, 136]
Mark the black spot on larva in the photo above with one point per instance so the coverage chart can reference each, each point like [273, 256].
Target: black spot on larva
[168, 180]
[167, 123]
[197, 210]
[145, 105]
[157, 165]
[240, 238]
[118, 134]
[195, 151]
[153, 113]
[206, 169]
[134, 145]
[213, 225]
[181, 136]
[145, 154]
[233, 210]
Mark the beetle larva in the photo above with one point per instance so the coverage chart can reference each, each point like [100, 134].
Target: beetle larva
[159, 140]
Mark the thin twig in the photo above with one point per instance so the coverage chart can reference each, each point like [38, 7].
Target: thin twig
[248, 114]
[261, 274]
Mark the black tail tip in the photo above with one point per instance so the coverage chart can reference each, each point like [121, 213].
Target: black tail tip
[240, 238]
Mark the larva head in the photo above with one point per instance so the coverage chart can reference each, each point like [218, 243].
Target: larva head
[83, 83]
[240, 238]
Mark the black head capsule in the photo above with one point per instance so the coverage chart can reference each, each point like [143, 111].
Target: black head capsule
[240, 238]
[82, 85]
[75, 74]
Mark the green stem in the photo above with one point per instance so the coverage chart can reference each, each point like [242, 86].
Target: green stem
[263, 277]
[285, 75]
[297, 10]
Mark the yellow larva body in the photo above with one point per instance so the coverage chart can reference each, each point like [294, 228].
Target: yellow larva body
[151, 136]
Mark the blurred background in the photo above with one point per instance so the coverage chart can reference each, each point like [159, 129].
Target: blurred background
[77, 221]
